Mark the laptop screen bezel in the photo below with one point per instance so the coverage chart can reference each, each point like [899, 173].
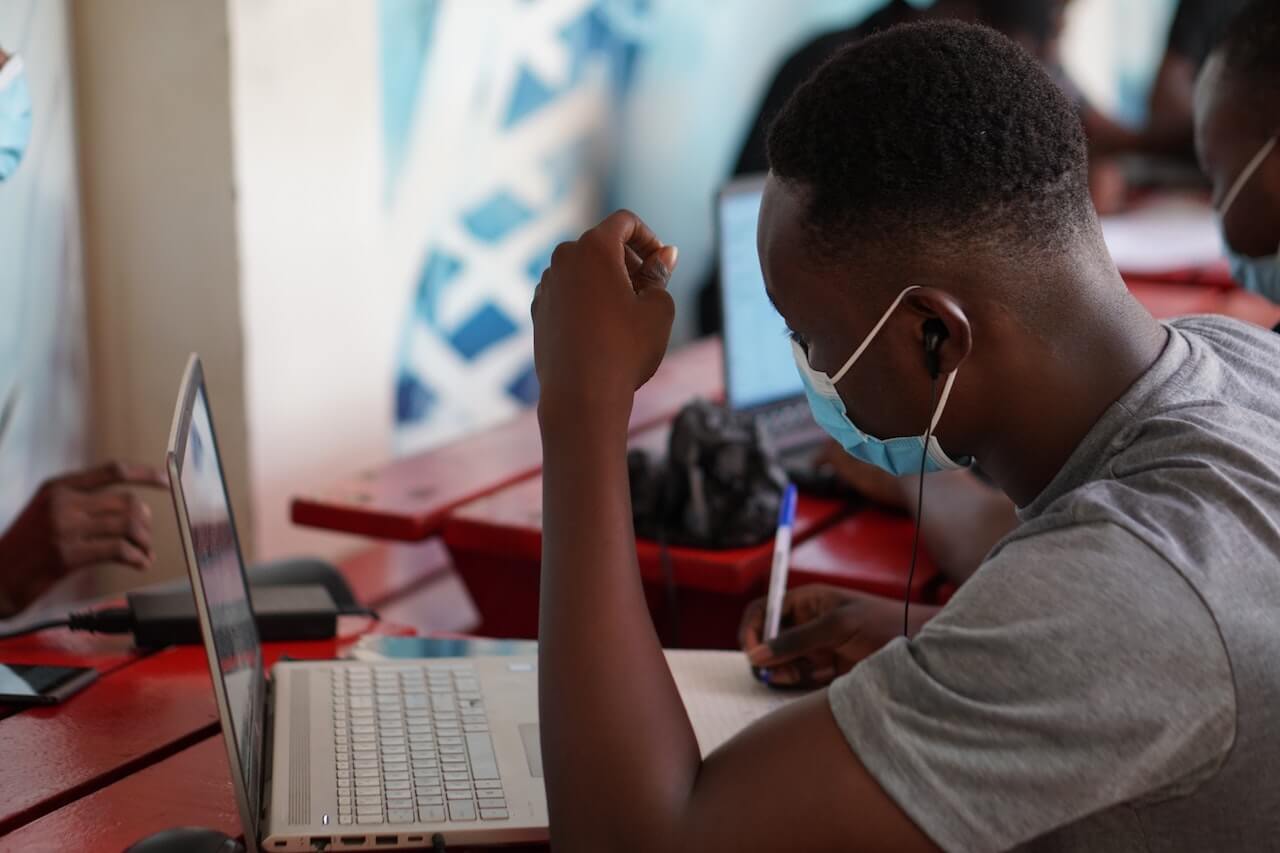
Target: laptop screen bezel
[248, 790]
[747, 184]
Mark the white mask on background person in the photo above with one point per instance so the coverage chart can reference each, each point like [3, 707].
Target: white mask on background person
[15, 116]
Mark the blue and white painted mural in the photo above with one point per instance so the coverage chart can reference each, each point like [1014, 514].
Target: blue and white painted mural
[543, 99]
[524, 120]
[569, 102]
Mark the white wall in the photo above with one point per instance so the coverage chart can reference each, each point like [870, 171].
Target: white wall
[319, 319]
[153, 80]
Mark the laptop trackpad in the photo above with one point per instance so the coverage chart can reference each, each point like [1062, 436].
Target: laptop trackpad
[532, 748]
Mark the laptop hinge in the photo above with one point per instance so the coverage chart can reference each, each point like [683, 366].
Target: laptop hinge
[268, 747]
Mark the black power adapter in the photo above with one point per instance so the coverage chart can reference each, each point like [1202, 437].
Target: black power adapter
[168, 617]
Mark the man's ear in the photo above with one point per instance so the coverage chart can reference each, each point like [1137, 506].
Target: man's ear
[944, 332]
[934, 334]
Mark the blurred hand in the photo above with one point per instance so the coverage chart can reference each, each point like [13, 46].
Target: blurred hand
[602, 315]
[826, 631]
[74, 521]
[872, 483]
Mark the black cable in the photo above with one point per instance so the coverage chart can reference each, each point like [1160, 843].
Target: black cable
[915, 537]
[109, 620]
[437, 843]
[34, 627]
[672, 592]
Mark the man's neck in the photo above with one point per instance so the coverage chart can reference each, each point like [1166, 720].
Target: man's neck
[1071, 386]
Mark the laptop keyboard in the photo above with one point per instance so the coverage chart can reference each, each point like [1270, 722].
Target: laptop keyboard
[792, 417]
[412, 746]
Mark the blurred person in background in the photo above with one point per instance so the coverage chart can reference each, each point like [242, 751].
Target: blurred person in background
[1197, 27]
[1037, 26]
[74, 520]
[1034, 24]
[1168, 133]
[1237, 116]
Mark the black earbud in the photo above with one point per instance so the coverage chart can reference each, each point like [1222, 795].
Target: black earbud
[935, 332]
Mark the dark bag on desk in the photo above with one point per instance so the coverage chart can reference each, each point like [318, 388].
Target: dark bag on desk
[719, 487]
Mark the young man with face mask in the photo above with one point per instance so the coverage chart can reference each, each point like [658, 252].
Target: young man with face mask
[1238, 116]
[1238, 138]
[1106, 679]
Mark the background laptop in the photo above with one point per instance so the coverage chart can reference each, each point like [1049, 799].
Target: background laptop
[347, 755]
[759, 369]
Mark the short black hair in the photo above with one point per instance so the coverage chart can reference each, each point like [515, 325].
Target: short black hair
[1251, 42]
[934, 133]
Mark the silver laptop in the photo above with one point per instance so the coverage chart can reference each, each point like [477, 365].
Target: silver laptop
[336, 755]
[760, 372]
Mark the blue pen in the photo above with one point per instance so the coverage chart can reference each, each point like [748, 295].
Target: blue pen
[781, 564]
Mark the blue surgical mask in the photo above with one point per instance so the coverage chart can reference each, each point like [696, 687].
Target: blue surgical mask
[898, 456]
[15, 116]
[1258, 275]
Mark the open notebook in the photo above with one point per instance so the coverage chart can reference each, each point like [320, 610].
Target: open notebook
[720, 694]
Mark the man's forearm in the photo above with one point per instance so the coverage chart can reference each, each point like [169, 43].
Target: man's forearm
[602, 671]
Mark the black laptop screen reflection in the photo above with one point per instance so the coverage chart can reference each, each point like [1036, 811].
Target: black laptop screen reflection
[218, 557]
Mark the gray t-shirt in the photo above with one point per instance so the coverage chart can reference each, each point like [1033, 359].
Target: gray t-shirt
[1109, 679]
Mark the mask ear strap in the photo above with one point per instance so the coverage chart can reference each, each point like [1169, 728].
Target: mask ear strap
[871, 336]
[942, 401]
[1246, 174]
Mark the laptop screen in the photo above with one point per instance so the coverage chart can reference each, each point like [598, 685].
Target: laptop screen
[216, 550]
[759, 367]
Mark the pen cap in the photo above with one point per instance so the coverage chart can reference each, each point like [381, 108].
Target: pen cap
[787, 511]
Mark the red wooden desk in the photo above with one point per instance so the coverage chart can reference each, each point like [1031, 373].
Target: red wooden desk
[409, 499]
[132, 753]
[1167, 300]
[1215, 275]
[871, 552]
[496, 543]
[192, 787]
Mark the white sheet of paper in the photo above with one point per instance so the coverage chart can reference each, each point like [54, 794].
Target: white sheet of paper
[1167, 235]
[720, 694]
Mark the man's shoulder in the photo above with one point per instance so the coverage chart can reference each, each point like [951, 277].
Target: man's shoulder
[1214, 424]
[1235, 342]
[1069, 542]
